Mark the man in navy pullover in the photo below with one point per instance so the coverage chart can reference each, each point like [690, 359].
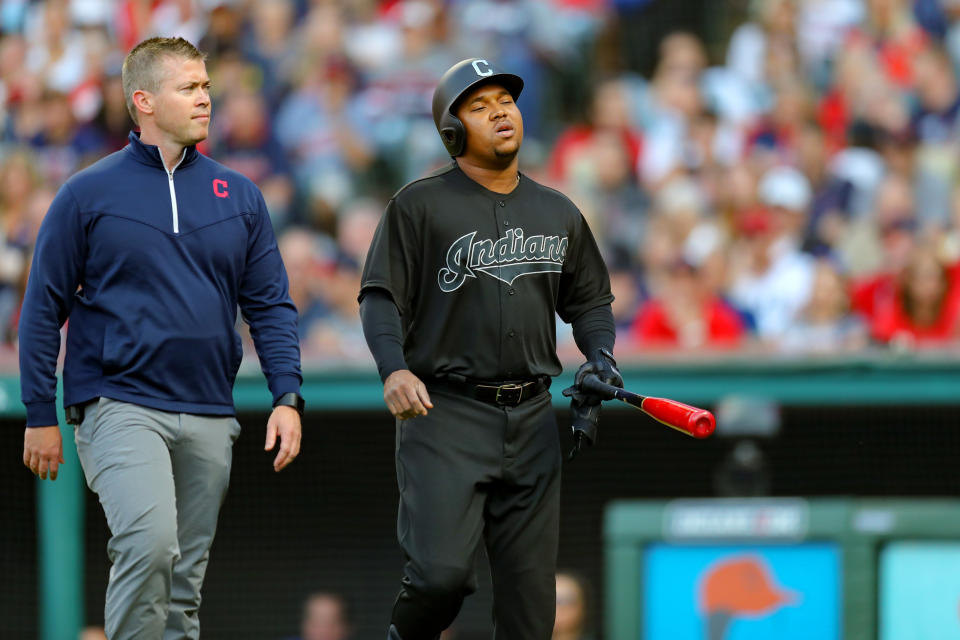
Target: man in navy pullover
[149, 252]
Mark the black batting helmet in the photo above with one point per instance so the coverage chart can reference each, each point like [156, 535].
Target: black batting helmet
[457, 81]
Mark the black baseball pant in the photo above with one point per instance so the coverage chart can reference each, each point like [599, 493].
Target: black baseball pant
[468, 471]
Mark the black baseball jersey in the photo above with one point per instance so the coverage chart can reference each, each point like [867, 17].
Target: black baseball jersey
[478, 275]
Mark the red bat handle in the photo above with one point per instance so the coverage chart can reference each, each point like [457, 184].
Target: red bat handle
[696, 422]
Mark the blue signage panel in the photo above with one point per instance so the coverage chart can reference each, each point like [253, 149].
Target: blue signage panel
[742, 592]
[920, 591]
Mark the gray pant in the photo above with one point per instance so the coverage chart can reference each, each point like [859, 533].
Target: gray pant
[161, 478]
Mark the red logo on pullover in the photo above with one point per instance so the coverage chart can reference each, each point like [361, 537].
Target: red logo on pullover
[220, 188]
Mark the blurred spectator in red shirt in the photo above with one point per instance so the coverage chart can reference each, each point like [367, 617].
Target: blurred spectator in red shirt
[925, 307]
[609, 112]
[686, 318]
[881, 246]
[688, 313]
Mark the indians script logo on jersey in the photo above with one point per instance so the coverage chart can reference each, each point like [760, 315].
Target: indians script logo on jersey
[506, 259]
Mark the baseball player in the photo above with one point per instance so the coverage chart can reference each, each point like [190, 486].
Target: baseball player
[464, 277]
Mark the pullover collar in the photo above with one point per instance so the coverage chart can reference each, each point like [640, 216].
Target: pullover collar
[149, 154]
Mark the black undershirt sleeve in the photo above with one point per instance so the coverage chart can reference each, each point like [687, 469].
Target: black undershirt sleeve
[381, 327]
[594, 329]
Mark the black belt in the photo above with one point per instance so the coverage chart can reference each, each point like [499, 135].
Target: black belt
[74, 413]
[507, 394]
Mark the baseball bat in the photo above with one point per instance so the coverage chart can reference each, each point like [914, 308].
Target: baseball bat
[692, 421]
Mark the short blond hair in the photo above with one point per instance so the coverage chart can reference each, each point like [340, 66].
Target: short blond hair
[141, 68]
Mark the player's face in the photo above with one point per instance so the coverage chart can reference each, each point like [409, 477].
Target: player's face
[182, 103]
[493, 123]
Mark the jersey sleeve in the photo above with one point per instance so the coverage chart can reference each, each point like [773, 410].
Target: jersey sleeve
[584, 281]
[393, 259]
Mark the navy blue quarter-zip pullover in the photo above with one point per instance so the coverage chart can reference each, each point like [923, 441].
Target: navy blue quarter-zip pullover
[150, 266]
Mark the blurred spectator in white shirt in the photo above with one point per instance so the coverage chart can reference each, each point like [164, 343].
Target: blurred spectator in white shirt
[665, 110]
[56, 51]
[772, 278]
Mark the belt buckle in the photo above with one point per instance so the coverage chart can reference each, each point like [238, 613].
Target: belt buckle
[513, 393]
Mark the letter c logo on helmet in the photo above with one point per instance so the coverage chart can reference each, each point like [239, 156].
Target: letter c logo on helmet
[480, 72]
[454, 85]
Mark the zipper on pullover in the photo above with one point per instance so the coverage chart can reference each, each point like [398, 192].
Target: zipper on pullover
[173, 191]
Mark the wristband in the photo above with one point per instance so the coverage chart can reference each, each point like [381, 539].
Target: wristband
[291, 399]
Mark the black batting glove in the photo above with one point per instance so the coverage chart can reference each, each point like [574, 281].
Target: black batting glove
[601, 364]
[585, 407]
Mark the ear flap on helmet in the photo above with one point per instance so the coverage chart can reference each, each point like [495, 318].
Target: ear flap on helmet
[453, 134]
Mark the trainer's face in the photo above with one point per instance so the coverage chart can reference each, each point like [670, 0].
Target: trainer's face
[182, 103]
[493, 123]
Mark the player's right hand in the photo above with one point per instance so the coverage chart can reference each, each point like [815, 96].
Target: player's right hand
[43, 451]
[406, 395]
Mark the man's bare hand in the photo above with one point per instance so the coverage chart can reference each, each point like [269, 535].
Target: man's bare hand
[43, 451]
[284, 423]
[406, 396]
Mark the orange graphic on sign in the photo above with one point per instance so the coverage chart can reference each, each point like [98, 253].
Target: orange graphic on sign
[738, 587]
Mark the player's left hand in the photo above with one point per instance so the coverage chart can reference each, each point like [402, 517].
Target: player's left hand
[284, 423]
[585, 407]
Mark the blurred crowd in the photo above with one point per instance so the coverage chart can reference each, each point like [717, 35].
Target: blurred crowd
[794, 188]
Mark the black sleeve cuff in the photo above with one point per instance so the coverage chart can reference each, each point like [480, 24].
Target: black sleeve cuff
[595, 329]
